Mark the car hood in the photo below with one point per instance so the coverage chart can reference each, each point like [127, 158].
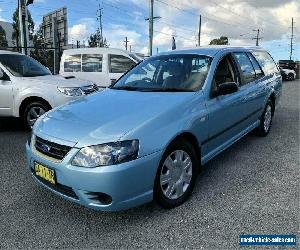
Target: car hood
[106, 116]
[57, 80]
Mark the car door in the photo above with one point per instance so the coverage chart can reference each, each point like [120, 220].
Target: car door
[118, 65]
[251, 90]
[224, 110]
[6, 95]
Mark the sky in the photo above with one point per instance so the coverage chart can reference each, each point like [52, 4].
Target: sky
[235, 19]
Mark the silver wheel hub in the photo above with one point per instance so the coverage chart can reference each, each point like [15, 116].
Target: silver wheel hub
[267, 118]
[33, 114]
[176, 174]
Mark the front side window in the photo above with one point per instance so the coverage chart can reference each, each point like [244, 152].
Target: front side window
[91, 63]
[120, 64]
[72, 63]
[248, 73]
[23, 66]
[225, 72]
[266, 62]
[167, 73]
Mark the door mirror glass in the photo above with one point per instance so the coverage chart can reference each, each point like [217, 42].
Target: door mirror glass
[227, 88]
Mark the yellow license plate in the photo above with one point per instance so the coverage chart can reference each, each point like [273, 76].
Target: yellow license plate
[45, 173]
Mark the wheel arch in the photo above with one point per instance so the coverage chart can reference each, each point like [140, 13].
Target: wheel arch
[190, 137]
[272, 98]
[29, 100]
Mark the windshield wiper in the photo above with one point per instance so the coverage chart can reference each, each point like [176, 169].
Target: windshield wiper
[130, 88]
[168, 90]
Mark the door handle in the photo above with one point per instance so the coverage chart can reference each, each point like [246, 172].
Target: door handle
[244, 99]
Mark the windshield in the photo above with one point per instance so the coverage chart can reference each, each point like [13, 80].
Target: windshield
[167, 73]
[23, 66]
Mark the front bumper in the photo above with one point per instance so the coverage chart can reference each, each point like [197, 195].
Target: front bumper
[128, 184]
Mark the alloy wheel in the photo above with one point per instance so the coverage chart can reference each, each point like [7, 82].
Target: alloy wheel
[176, 174]
[33, 114]
[267, 118]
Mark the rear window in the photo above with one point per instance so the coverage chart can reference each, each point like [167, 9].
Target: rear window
[72, 63]
[257, 69]
[91, 63]
[266, 62]
[120, 64]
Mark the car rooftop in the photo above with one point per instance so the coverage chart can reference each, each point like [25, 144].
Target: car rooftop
[97, 49]
[210, 50]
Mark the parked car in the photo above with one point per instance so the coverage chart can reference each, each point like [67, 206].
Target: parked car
[288, 64]
[288, 74]
[146, 136]
[28, 89]
[103, 66]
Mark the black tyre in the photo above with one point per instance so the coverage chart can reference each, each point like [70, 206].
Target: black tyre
[176, 174]
[266, 120]
[32, 112]
[290, 77]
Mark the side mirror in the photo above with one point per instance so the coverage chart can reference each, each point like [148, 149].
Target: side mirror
[227, 88]
[4, 76]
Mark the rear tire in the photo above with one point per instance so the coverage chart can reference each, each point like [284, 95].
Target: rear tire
[176, 174]
[32, 112]
[266, 120]
[290, 77]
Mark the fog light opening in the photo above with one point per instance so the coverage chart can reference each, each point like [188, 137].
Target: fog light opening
[102, 198]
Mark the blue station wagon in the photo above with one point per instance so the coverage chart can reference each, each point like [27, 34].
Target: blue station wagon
[146, 136]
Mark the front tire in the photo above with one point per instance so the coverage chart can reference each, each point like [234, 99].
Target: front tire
[176, 175]
[32, 112]
[266, 120]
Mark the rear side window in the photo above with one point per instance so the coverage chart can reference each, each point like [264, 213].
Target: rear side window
[120, 64]
[257, 69]
[248, 73]
[72, 63]
[91, 63]
[266, 62]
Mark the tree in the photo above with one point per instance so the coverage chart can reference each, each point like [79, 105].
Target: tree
[3, 41]
[16, 27]
[40, 52]
[223, 40]
[95, 39]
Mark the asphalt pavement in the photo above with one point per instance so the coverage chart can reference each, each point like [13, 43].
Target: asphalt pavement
[251, 188]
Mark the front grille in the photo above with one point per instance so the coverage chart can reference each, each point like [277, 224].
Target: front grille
[89, 89]
[51, 149]
[65, 190]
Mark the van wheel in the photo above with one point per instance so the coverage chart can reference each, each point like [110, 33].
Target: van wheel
[32, 112]
[266, 120]
[176, 175]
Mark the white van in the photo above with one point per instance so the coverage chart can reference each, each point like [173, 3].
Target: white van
[102, 66]
[28, 89]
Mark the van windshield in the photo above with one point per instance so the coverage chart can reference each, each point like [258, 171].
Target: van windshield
[169, 73]
[23, 66]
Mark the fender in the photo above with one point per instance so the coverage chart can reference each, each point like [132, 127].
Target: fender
[30, 92]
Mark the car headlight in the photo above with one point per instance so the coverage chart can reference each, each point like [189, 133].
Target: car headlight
[76, 91]
[107, 154]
